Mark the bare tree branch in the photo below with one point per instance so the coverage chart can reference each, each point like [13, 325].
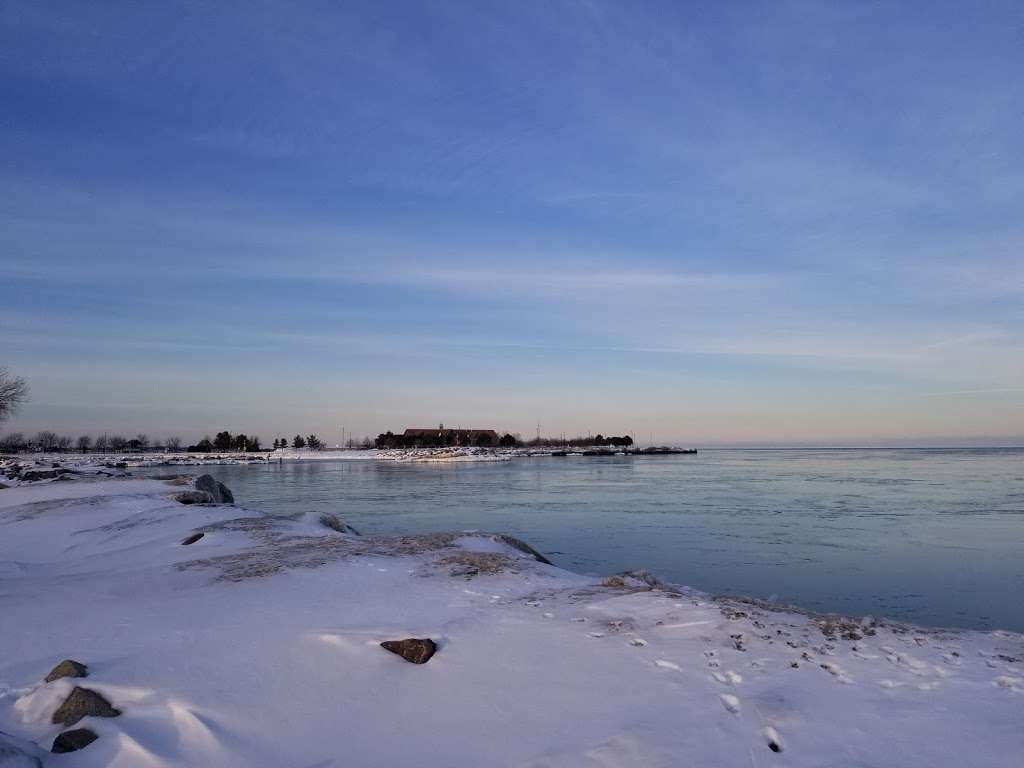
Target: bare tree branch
[13, 392]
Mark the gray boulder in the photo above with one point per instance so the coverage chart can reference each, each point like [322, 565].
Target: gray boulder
[217, 489]
[72, 741]
[83, 702]
[413, 650]
[67, 668]
[194, 497]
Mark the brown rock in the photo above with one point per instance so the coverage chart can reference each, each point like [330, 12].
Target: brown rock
[67, 668]
[194, 497]
[83, 702]
[412, 649]
[72, 741]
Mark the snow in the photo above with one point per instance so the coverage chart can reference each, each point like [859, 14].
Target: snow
[258, 645]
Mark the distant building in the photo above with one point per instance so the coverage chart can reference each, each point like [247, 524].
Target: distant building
[439, 437]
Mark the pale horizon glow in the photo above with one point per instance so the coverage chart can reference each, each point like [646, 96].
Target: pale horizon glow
[786, 223]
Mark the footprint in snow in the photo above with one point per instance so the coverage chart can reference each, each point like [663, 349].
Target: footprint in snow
[837, 672]
[773, 739]
[730, 702]
[729, 678]
[1015, 684]
[596, 634]
[663, 664]
[638, 642]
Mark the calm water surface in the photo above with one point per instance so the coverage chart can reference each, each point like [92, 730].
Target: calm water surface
[930, 536]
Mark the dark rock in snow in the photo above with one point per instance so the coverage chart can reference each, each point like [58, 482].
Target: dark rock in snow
[335, 524]
[67, 668]
[33, 475]
[72, 741]
[412, 649]
[525, 548]
[83, 702]
[2, 486]
[219, 491]
[192, 539]
[194, 497]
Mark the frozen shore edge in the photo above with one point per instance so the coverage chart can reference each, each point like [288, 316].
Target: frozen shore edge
[633, 658]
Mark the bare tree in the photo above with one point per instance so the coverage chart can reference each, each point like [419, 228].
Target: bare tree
[173, 444]
[13, 443]
[63, 443]
[46, 441]
[84, 443]
[101, 443]
[13, 392]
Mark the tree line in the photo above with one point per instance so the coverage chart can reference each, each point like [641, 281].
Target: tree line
[312, 442]
[598, 440]
[51, 442]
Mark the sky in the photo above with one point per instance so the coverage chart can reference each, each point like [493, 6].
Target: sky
[702, 222]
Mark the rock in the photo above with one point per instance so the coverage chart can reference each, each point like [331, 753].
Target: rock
[194, 497]
[32, 475]
[83, 702]
[412, 649]
[219, 491]
[335, 524]
[15, 755]
[2, 486]
[525, 548]
[67, 668]
[72, 741]
[192, 539]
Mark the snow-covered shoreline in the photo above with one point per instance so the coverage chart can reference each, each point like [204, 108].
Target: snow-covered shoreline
[259, 645]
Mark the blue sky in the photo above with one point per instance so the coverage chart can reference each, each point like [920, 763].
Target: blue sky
[714, 222]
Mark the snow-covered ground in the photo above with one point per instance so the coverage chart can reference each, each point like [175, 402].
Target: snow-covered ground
[259, 645]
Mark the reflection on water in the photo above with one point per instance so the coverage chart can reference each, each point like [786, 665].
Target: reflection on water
[931, 536]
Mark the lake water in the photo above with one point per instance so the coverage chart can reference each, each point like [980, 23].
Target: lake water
[930, 536]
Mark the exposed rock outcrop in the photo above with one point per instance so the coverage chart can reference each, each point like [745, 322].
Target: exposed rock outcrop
[192, 539]
[414, 650]
[32, 475]
[72, 741]
[523, 547]
[220, 492]
[83, 702]
[67, 668]
[194, 497]
[335, 523]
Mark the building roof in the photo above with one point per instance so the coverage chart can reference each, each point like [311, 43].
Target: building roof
[437, 432]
